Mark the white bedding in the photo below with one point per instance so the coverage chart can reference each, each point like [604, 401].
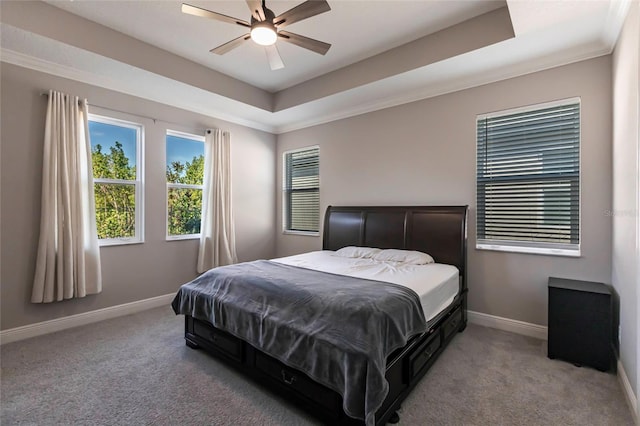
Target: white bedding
[436, 284]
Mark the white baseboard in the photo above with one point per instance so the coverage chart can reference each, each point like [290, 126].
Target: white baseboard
[59, 324]
[506, 324]
[628, 392]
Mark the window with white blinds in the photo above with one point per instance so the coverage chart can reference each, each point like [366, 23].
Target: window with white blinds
[301, 194]
[528, 179]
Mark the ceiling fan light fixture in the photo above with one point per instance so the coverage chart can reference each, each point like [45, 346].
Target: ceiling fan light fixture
[264, 33]
[265, 28]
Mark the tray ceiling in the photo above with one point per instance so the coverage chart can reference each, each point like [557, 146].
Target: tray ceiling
[383, 53]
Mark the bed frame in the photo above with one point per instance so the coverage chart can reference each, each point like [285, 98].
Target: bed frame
[437, 230]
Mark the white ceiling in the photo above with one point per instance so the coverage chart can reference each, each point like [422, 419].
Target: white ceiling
[548, 33]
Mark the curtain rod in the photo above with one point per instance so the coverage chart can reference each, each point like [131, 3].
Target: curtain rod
[155, 120]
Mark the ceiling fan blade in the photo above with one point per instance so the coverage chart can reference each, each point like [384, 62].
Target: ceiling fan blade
[275, 61]
[302, 11]
[306, 42]
[256, 9]
[198, 11]
[230, 45]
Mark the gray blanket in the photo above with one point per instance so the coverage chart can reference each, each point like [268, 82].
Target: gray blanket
[338, 330]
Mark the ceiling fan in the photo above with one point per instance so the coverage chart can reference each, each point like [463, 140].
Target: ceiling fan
[266, 28]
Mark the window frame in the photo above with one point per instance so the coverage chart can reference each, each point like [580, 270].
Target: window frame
[138, 184]
[169, 185]
[285, 193]
[554, 249]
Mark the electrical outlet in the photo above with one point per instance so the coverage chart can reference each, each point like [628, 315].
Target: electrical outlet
[619, 334]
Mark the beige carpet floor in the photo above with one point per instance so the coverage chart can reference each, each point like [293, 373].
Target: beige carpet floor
[136, 370]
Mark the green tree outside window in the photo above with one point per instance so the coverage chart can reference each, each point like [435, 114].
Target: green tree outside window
[185, 176]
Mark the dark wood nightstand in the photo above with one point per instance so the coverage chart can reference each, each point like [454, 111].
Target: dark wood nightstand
[580, 323]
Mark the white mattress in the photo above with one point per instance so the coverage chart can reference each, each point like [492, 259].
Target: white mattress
[436, 284]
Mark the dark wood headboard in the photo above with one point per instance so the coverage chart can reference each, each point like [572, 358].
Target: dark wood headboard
[440, 231]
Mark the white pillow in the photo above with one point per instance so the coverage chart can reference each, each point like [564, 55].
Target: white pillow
[361, 252]
[411, 257]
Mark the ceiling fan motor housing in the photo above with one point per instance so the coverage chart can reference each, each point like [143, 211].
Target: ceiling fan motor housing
[269, 16]
[264, 32]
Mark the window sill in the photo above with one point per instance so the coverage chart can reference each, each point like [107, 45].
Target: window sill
[183, 237]
[529, 250]
[118, 242]
[304, 233]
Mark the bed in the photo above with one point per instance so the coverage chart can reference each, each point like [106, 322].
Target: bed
[283, 334]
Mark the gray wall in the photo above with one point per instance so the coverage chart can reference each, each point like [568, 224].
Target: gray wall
[132, 272]
[424, 153]
[625, 256]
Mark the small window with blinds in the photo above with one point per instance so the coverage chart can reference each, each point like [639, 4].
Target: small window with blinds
[528, 179]
[301, 193]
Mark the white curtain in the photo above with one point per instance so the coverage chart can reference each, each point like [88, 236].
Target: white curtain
[217, 233]
[68, 258]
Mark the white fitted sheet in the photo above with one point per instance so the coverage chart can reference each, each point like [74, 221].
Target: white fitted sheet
[436, 284]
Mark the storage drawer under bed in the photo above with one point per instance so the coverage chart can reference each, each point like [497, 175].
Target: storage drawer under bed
[297, 381]
[225, 343]
[452, 324]
[421, 356]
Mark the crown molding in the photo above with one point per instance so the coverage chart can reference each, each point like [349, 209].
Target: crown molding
[37, 64]
[333, 113]
[618, 11]
[431, 91]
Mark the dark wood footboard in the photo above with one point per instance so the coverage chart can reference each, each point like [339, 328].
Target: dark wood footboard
[405, 367]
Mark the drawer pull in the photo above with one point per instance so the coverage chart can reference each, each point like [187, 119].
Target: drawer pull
[213, 337]
[427, 354]
[289, 380]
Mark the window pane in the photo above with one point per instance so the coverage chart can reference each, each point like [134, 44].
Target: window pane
[113, 151]
[115, 210]
[185, 206]
[543, 211]
[305, 210]
[185, 160]
[302, 190]
[528, 177]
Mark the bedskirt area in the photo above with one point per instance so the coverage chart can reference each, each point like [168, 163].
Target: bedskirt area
[404, 367]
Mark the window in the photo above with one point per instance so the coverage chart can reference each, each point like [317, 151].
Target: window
[116, 148]
[185, 177]
[301, 193]
[528, 179]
